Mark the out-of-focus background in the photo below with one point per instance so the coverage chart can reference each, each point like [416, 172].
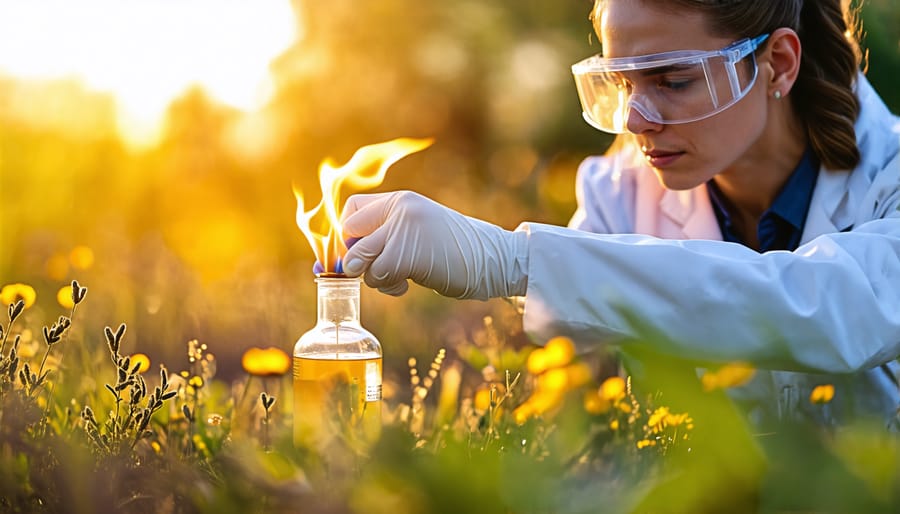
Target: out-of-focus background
[148, 148]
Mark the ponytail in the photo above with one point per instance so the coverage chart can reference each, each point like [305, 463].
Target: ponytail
[823, 93]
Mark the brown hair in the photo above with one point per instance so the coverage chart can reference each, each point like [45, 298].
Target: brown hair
[823, 93]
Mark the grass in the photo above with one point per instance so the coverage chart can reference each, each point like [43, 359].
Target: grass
[86, 427]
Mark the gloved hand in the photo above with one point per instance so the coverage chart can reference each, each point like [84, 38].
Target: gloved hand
[405, 235]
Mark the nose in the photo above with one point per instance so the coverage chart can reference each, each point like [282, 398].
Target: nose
[638, 124]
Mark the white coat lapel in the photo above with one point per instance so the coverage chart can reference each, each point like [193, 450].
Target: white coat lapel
[823, 216]
[669, 214]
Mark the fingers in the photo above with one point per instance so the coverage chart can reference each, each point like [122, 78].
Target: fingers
[358, 258]
[397, 289]
[363, 213]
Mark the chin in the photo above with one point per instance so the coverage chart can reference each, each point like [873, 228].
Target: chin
[678, 181]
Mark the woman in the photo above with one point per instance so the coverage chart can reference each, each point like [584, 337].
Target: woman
[749, 212]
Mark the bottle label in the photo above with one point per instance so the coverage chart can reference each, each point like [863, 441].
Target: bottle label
[373, 382]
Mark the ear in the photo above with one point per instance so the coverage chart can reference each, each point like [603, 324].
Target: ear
[781, 61]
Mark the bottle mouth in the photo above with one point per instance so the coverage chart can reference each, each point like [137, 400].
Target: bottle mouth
[331, 274]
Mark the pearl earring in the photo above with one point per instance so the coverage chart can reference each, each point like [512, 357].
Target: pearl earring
[777, 95]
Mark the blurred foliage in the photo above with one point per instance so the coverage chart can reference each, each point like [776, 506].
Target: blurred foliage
[654, 442]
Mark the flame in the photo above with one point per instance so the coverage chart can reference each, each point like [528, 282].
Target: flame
[365, 170]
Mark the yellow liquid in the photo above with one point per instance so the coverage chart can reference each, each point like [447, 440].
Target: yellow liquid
[337, 398]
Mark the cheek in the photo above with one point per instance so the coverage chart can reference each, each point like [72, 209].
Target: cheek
[725, 138]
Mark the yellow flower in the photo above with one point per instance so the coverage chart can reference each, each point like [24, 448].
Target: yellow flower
[523, 413]
[643, 443]
[822, 394]
[559, 351]
[266, 362]
[658, 417]
[613, 389]
[196, 382]
[578, 374]
[81, 257]
[64, 297]
[537, 361]
[730, 375]
[614, 424]
[143, 360]
[12, 293]
[594, 403]
[553, 380]
[483, 399]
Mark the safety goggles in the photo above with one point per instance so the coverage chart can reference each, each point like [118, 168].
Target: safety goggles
[666, 88]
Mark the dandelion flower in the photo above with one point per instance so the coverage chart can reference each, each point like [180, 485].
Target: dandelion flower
[266, 362]
[822, 394]
[12, 293]
[64, 297]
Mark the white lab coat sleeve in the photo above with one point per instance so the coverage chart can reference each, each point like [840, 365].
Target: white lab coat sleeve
[831, 306]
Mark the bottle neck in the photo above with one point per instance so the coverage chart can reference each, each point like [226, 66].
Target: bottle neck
[338, 300]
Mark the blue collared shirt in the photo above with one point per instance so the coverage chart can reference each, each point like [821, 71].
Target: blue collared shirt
[781, 225]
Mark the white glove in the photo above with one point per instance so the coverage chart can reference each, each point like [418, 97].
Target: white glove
[405, 235]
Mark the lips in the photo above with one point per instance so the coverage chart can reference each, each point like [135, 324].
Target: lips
[659, 158]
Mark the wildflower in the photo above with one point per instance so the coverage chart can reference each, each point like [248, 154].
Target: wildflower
[559, 351]
[553, 380]
[64, 297]
[578, 374]
[594, 403]
[657, 419]
[81, 257]
[822, 394]
[196, 382]
[730, 375]
[483, 399]
[612, 389]
[214, 419]
[523, 413]
[12, 293]
[266, 362]
[537, 361]
[142, 360]
[614, 424]
[643, 443]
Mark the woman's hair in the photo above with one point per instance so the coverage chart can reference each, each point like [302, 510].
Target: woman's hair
[823, 93]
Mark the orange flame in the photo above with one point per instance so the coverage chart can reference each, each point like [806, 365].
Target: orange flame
[366, 169]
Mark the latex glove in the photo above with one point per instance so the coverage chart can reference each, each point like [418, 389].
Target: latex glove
[405, 235]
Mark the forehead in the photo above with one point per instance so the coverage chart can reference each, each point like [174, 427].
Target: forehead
[637, 27]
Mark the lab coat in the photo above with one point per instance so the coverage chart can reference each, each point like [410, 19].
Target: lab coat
[648, 262]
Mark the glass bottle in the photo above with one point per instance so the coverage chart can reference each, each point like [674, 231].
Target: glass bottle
[337, 372]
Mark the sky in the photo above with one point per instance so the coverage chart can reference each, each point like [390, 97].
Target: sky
[148, 52]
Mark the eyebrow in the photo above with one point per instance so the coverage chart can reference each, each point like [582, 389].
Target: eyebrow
[665, 69]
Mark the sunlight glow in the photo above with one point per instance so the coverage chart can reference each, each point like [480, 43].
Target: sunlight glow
[148, 52]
